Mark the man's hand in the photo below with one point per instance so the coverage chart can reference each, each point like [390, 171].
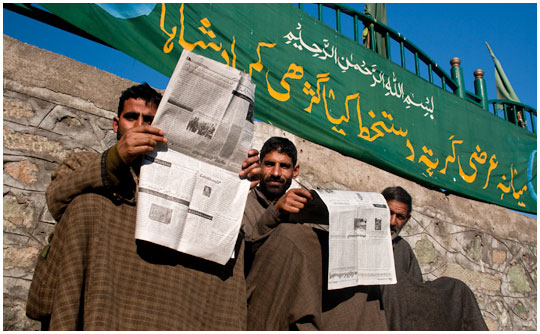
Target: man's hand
[251, 169]
[293, 201]
[138, 141]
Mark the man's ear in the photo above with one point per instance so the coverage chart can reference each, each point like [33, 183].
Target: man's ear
[115, 124]
[296, 171]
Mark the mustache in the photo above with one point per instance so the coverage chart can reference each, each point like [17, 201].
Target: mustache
[274, 179]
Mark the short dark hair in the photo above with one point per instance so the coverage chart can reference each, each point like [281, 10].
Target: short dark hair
[281, 145]
[142, 91]
[398, 194]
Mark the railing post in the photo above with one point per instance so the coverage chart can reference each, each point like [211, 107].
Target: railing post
[457, 75]
[480, 87]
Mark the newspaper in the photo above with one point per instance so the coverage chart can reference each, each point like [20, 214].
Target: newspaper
[360, 245]
[190, 196]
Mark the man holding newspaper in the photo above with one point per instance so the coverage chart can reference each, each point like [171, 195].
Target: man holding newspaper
[286, 282]
[96, 274]
[151, 233]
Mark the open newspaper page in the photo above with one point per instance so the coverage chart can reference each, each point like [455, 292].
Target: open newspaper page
[360, 244]
[190, 197]
[207, 111]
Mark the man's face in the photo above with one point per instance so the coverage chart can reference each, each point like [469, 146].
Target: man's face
[134, 113]
[278, 172]
[398, 217]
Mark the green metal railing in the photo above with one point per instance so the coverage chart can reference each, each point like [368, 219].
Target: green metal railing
[520, 114]
[390, 34]
[454, 82]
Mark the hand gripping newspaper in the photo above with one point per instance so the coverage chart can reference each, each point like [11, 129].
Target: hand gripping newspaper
[360, 244]
[190, 196]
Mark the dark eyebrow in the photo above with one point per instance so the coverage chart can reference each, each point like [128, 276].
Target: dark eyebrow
[131, 114]
[399, 215]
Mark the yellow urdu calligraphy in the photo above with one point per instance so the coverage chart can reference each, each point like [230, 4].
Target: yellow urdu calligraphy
[258, 66]
[479, 159]
[375, 127]
[205, 29]
[369, 133]
[424, 159]
[410, 147]
[388, 116]
[329, 117]
[323, 77]
[379, 128]
[451, 158]
[168, 46]
[308, 90]
[294, 72]
[363, 130]
[492, 165]
[190, 46]
[506, 189]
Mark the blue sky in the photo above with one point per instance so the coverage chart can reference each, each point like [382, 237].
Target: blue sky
[442, 31]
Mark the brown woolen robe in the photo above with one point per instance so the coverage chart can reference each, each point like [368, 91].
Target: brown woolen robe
[96, 276]
[287, 279]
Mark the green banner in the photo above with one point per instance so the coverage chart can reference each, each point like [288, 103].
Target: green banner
[320, 85]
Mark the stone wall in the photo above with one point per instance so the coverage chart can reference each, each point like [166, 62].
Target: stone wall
[54, 105]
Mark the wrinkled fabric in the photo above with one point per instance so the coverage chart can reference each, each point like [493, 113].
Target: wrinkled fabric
[405, 260]
[287, 287]
[96, 276]
[260, 217]
[440, 305]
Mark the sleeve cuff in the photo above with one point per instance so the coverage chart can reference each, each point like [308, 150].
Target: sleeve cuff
[114, 167]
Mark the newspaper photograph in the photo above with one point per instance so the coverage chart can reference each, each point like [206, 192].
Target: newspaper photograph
[360, 244]
[190, 197]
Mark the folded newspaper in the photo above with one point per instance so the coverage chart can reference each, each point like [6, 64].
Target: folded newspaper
[359, 240]
[190, 196]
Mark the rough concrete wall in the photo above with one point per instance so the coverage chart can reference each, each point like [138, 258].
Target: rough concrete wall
[54, 105]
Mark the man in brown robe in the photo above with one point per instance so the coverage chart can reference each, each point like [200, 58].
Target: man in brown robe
[286, 280]
[443, 304]
[94, 275]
